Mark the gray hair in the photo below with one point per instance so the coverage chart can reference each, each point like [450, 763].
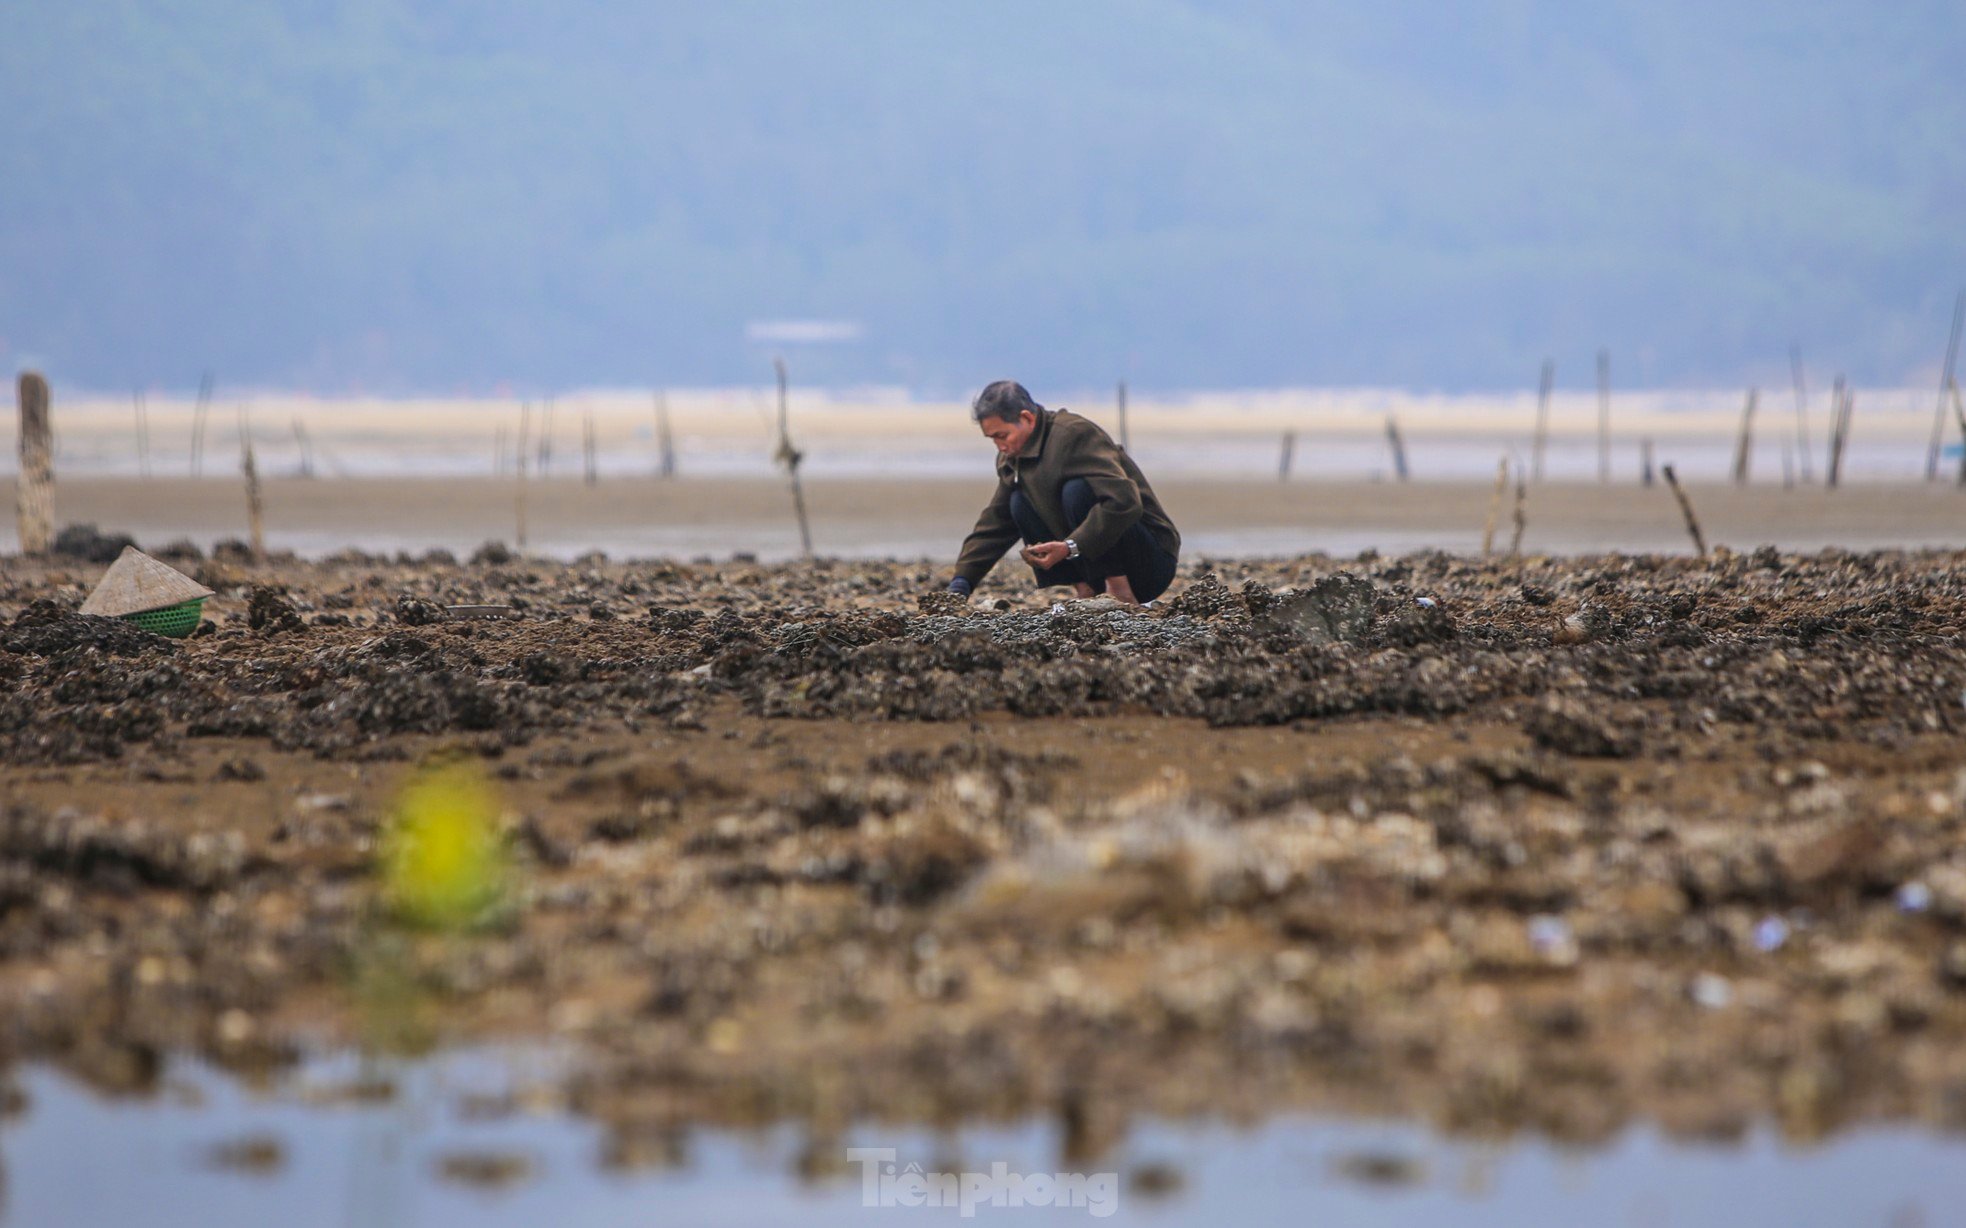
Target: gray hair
[1006, 399]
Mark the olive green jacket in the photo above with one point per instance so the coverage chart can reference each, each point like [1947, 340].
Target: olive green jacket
[1066, 446]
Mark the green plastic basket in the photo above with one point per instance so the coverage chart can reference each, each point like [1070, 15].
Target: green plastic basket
[176, 621]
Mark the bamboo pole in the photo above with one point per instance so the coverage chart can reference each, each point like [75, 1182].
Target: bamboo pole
[1122, 403]
[663, 437]
[589, 459]
[199, 412]
[1645, 462]
[790, 457]
[1398, 446]
[1945, 382]
[255, 509]
[1604, 415]
[1285, 455]
[1744, 443]
[1801, 414]
[1542, 436]
[143, 434]
[546, 438]
[34, 498]
[1686, 510]
[1495, 508]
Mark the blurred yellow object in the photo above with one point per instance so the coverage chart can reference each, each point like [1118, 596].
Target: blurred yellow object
[444, 861]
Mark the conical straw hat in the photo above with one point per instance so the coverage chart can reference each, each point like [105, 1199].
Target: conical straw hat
[135, 582]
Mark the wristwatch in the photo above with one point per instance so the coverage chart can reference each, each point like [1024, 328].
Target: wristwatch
[1071, 549]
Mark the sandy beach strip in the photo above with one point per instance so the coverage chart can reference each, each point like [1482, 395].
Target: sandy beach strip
[926, 518]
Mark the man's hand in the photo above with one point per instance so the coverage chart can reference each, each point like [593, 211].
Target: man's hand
[1047, 554]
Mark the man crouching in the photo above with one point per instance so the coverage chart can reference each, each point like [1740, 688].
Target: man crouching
[1082, 507]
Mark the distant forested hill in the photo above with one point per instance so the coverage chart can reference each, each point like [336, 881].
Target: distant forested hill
[417, 194]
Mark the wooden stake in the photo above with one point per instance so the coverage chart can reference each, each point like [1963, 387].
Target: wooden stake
[143, 435]
[1945, 382]
[790, 457]
[1521, 517]
[1843, 405]
[521, 510]
[1686, 510]
[1495, 508]
[519, 459]
[1843, 424]
[199, 411]
[589, 461]
[1399, 447]
[1959, 412]
[1283, 458]
[663, 437]
[1645, 463]
[1122, 400]
[1744, 444]
[306, 447]
[1801, 413]
[255, 512]
[34, 498]
[546, 438]
[1835, 411]
[1542, 420]
[1604, 415]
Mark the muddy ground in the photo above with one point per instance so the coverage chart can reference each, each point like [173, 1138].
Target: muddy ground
[1544, 845]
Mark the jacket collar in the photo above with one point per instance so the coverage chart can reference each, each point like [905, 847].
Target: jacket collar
[1034, 446]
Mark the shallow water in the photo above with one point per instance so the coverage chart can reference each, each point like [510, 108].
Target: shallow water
[1229, 455]
[77, 1158]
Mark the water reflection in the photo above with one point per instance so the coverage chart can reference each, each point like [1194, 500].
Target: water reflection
[485, 1137]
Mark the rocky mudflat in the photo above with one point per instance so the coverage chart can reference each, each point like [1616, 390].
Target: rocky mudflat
[1541, 844]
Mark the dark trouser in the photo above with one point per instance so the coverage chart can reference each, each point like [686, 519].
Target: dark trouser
[1147, 567]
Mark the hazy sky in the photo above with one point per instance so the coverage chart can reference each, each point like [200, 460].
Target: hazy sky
[467, 193]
